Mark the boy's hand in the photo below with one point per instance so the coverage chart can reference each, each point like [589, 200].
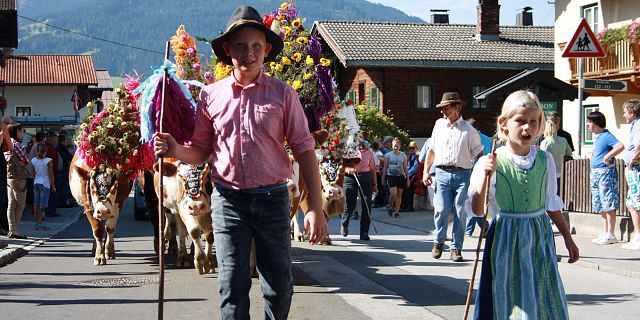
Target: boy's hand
[163, 144]
[53, 189]
[315, 226]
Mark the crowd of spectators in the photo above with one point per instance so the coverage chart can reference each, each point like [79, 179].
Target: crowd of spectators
[17, 175]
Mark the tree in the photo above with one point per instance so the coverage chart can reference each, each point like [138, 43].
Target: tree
[377, 125]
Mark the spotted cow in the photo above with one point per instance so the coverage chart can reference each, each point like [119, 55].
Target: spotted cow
[187, 201]
[102, 194]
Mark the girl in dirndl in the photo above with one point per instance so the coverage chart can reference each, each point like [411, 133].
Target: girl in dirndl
[519, 277]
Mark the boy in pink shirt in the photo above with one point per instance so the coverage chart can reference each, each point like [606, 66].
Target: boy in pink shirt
[242, 124]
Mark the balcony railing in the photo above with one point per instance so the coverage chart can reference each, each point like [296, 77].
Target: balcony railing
[622, 61]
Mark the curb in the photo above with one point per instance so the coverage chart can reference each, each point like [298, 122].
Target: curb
[608, 269]
[10, 255]
[15, 251]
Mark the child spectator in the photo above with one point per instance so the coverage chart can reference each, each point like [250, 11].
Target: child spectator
[42, 184]
[604, 176]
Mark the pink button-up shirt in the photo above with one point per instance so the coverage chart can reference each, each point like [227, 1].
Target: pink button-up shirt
[245, 128]
[367, 163]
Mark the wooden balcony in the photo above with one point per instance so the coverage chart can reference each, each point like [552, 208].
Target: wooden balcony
[621, 63]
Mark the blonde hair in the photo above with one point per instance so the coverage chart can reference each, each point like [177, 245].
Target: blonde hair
[519, 99]
[550, 129]
[633, 106]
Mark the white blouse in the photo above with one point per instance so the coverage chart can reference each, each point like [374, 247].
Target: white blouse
[553, 202]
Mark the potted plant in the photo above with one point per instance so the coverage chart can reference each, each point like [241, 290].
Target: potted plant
[634, 41]
[608, 37]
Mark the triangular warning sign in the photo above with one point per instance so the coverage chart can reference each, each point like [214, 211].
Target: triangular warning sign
[583, 44]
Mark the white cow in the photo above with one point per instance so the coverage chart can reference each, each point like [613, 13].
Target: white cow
[187, 195]
[102, 194]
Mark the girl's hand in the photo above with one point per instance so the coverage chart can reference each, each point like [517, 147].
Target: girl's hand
[574, 253]
[408, 182]
[53, 189]
[490, 164]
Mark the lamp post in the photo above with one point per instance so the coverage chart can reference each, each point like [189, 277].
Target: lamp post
[3, 100]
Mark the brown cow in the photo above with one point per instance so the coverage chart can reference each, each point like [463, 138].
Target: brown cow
[102, 194]
[187, 201]
[332, 178]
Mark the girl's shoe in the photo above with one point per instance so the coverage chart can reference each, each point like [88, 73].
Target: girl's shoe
[396, 215]
[42, 227]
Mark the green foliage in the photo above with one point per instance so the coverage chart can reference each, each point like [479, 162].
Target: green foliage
[377, 125]
[614, 35]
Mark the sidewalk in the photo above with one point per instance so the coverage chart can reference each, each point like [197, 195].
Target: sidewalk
[608, 258]
[17, 248]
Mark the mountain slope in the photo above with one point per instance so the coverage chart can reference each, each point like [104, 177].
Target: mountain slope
[149, 24]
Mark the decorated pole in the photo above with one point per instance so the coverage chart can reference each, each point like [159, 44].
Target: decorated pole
[161, 197]
[487, 182]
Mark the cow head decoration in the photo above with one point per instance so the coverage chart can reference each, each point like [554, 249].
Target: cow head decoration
[103, 185]
[331, 172]
[195, 187]
[188, 185]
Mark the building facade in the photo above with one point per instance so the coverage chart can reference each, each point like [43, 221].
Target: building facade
[403, 68]
[609, 81]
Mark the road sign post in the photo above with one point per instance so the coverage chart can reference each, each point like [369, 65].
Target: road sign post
[607, 85]
[583, 44]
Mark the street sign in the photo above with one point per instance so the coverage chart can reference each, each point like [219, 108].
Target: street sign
[548, 107]
[607, 85]
[583, 44]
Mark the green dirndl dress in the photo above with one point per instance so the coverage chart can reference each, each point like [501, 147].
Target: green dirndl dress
[520, 278]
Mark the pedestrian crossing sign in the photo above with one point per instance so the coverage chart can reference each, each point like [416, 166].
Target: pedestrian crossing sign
[583, 44]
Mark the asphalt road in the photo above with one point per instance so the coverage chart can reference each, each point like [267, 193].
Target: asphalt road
[390, 277]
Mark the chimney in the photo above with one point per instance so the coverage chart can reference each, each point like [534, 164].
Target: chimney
[525, 17]
[488, 21]
[440, 16]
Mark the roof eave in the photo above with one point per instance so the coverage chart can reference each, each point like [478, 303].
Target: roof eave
[447, 64]
[320, 29]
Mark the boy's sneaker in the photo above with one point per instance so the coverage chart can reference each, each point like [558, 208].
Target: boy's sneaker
[635, 242]
[606, 239]
[598, 238]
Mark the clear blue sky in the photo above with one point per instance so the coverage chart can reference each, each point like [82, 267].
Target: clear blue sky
[464, 11]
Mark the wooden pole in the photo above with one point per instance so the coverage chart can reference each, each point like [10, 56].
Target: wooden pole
[160, 199]
[487, 182]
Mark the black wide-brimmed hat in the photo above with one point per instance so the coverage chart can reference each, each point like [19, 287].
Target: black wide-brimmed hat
[244, 17]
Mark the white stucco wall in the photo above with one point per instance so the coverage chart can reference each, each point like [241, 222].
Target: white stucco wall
[44, 100]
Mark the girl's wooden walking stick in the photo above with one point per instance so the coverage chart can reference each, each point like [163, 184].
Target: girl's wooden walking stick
[487, 181]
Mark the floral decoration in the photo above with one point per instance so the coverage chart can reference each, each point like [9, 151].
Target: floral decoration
[338, 129]
[634, 35]
[301, 63]
[111, 136]
[190, 66]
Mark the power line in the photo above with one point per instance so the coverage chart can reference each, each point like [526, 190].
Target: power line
[90, 36]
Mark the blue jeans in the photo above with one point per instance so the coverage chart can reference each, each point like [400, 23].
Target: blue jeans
[351, 192]
[41, 196]
[450, 195]
[261, 214]
[471, 224]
